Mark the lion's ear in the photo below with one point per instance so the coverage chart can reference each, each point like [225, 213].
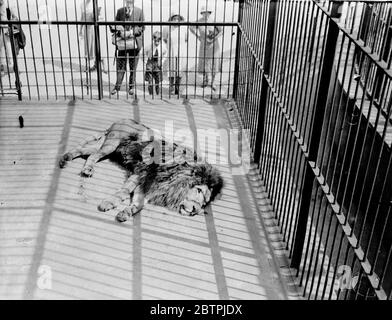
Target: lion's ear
[207, 195]
[218, 196]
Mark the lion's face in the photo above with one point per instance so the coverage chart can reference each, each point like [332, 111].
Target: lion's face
[195, 201]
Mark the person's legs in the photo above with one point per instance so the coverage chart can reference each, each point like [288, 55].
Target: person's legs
[150, 86]
[205, 79]
[212, 81]
[133, 61]
[90, 48]
[10, 61]
[6, 60]
[121, 68]
[171, 84]
[3, 61]
[178, 82]
[157, 77]
[148, 77]
[215, 66]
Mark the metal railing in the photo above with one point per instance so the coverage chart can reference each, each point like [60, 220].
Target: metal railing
[55, 64]
[313, 89]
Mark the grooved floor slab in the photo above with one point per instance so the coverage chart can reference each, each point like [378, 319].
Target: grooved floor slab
[50, 227]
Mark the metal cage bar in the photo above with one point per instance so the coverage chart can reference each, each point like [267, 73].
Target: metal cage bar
[54, 44]
[323, 138]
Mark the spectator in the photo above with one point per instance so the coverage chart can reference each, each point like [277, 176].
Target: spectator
[86, 32]
[156, 56]
[6, 60]
[176, 40]
[209, 62]
[128, 42]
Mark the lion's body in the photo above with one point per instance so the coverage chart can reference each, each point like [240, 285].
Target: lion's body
[163, 173]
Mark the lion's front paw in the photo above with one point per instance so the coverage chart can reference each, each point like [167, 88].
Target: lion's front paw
[87, 171]
[106, 205]
[125, 214]
[135, 209]
[64, 159]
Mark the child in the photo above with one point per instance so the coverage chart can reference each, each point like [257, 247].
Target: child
[156, 56]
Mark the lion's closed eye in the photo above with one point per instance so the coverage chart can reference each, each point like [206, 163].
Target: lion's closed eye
[204, 193]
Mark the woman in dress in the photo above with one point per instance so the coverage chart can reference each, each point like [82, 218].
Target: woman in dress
[209, 51]
[176, 39]
[86, 32]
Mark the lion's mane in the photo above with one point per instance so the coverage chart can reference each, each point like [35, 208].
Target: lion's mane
[167, 184]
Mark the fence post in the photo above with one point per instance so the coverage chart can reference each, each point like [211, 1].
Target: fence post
[264, 83]
[314, 142]
[98, 50]
[15, 62]
[238, 49]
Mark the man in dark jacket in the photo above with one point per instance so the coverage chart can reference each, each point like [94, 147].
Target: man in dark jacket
[128, 13]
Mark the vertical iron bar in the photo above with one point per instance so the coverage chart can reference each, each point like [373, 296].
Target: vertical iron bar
[187, 54]
[43, 56]
[69, 52]
[25, 61]
[231, 52]
[107, 49]
[292, 150]
[379, 195]
[51, 54]
[290, 69]
[313, 80]
[61, 53]
[264, 144]
[15, 62]
[32, 51]
[87, 58]
[222, 49]
[98, 50]
[204, 53]
[293, 87]
[79, 56]
[179, 56]
[237, 50]
[326, 73]
[265, 85]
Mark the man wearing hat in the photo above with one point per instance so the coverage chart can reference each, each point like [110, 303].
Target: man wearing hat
[209, 62]
[134, 34]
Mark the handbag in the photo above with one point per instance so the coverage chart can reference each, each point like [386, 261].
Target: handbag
[124, 44]
[212, 35]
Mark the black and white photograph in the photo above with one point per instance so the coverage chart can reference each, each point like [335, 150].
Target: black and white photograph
[230, 151]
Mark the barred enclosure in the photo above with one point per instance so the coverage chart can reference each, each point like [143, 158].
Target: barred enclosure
[56, 65]
[314, 88]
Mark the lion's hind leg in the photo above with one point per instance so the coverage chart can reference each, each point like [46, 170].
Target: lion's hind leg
[111, 141]
[87, 147]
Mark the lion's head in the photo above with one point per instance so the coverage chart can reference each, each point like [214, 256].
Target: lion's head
[185, 188]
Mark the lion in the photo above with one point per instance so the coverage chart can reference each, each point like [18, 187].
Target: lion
[159, 172]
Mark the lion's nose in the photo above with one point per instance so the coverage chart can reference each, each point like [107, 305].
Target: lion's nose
[183, 210]
[189, 208]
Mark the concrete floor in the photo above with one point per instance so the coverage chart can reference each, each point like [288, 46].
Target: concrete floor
[54, 244]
